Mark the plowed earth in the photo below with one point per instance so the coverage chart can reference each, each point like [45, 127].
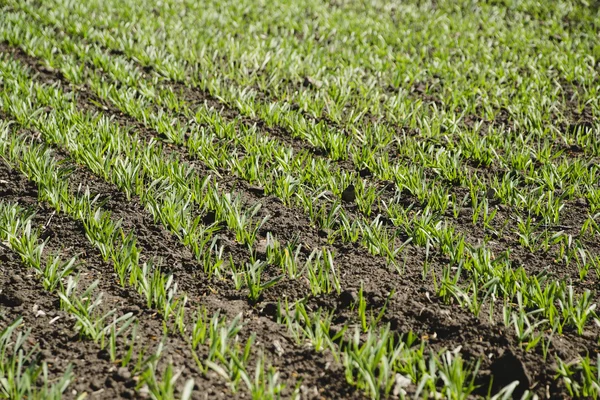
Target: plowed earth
[412, 305]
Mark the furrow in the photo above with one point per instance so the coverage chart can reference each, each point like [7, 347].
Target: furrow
[522, 257]
[213, 295]
[399, 308]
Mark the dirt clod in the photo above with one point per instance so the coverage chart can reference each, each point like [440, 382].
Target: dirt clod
[9, 298]
[508, 368]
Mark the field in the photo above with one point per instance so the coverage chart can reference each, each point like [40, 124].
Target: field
[299, 199]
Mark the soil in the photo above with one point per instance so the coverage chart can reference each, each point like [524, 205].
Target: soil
[413, 306]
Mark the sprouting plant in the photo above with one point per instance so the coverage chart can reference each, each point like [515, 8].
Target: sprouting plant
[577, 311]
[84, 305]
[458, 377]
[21, 371]
[581, 376]
[253, 276]
[321, 272]
[371, 321]
[56, 270]
[163, 388]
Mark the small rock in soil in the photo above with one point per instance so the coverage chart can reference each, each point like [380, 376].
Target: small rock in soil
[135, 310]
[377, 300]
[311, 82]
[365, 172]
[46, 354]
[96, 385]
[209, 217]
[278, 348]
[261, 246]
[323, 233]
[401, 383]
[104, 355]
[122, 374]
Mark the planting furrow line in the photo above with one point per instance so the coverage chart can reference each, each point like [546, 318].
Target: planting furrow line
[416, 324]
[183, 265]
[435, 165]
[584, 268]
[508, 152]
[479, 209]
[225, 65]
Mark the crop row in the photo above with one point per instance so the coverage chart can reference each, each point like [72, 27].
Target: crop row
[352, 232]
[447, 280]
[264, 49]
[440, 155]
[40, 166]
[188, 147]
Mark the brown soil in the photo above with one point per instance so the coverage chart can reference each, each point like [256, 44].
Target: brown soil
[412, 308]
